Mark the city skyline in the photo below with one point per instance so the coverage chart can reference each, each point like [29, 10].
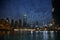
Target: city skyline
[36, 10]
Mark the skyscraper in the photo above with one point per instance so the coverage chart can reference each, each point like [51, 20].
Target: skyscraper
[56, 13]
[20, 23]
[16, 23]
[12, 22]
[36, 24]
[25, 20]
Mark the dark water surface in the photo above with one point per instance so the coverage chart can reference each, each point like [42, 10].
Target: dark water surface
[37, 35]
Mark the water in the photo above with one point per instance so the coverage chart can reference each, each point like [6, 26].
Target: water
[37, 35]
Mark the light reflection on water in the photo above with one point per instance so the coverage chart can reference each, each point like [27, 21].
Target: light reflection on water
[45, 35]
[37, 35]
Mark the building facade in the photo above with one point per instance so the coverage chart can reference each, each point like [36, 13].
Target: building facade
[56, 14]
[25, 20]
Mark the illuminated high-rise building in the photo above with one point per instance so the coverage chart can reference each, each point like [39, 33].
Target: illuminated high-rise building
[25, 20]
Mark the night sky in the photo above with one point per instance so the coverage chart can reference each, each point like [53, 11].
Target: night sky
[36, 10]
